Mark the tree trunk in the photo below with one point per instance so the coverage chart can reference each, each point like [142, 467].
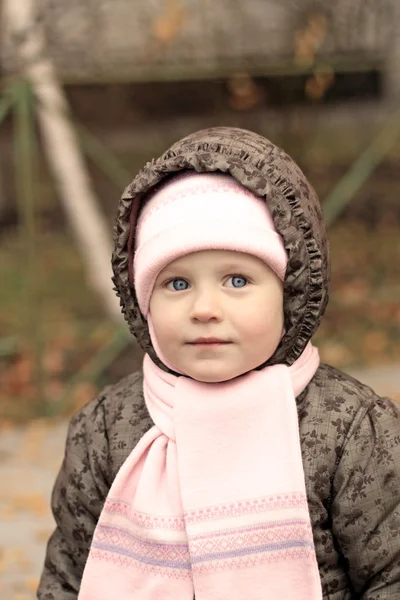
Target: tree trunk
[89, 227]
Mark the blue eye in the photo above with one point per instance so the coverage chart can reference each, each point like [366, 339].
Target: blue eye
[238, 281]
[178, 285]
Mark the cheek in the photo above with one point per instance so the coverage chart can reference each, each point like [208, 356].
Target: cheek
[264, 319]
[164, 321]
[262, 328]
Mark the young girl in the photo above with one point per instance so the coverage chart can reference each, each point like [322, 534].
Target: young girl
[235, 466]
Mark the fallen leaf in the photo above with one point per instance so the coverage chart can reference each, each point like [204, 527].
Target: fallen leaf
[35, 503]
[32, 583]
[42, 535]
[17, 557]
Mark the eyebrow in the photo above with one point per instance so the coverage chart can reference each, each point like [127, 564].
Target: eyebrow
[228, 266]
[234, 264]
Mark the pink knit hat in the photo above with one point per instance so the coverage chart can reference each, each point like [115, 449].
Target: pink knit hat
[201, 211]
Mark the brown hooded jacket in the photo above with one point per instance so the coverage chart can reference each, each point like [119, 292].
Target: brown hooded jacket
[350, 437]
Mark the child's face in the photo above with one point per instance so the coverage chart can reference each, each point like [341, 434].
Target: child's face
[222, 294]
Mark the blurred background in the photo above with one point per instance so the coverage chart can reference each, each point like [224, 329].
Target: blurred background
[93, 90]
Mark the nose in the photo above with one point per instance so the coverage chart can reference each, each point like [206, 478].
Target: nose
[206, 307]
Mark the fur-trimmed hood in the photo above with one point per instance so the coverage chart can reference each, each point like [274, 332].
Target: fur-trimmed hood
[270, 173]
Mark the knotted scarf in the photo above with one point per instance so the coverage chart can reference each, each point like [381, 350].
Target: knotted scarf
[211, 502]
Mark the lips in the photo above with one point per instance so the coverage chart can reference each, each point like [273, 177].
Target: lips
[209, 340]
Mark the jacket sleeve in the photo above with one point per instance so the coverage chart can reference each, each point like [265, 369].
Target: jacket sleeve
[366, 505]
[77, 500]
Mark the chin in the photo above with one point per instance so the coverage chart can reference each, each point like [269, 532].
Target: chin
[213, 377]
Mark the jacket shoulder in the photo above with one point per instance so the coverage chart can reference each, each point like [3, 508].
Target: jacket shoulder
[115, 403]
[334, 391]
[331, 411]
[118, 418]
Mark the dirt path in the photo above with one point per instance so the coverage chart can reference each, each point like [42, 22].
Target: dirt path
[29, 460]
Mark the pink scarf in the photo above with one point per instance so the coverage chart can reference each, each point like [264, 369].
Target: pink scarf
[212, 500]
